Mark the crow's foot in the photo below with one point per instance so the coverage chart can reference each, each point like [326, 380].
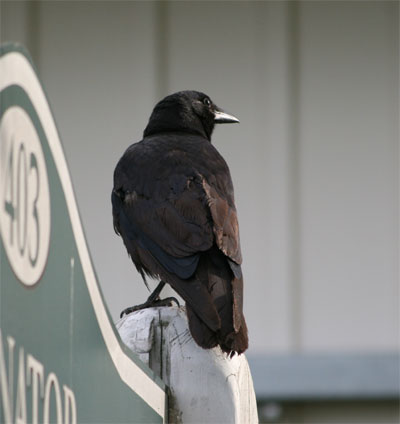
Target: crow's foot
[153, 300]
[150, 304]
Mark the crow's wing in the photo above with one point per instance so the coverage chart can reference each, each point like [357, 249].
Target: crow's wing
[175, 228]
[179, 196]
[225, 222]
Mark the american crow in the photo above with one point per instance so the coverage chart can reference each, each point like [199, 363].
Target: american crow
[173, 205]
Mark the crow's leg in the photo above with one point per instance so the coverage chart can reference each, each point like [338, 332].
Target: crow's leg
[153, 300]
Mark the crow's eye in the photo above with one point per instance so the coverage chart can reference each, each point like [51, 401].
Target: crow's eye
[207, 101]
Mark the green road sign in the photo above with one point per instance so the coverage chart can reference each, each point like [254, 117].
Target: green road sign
[61, 359]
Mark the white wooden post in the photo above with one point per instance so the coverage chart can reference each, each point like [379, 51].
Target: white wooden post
[205, 385]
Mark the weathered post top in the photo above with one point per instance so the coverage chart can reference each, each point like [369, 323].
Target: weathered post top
[205, 385]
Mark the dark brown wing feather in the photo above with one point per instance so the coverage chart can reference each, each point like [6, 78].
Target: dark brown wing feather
[226, 231]
[173, 206]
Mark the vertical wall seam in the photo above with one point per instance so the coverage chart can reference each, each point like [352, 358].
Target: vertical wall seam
[398, 149]
[33, 32]
[294, 179]
[161, 49]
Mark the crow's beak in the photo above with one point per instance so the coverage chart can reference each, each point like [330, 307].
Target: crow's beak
[221, 117]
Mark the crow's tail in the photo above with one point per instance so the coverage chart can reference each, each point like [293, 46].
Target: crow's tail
[216, 275]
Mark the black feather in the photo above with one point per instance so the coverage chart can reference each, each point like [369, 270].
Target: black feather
[182, 267]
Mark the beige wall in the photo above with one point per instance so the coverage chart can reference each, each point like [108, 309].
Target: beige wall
[314, 160]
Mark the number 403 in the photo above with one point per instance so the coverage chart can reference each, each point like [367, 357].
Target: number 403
[20, 201]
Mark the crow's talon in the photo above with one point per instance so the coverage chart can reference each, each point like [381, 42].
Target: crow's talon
[174, 299]
[131, 309]
[166, 302]
[152, 304]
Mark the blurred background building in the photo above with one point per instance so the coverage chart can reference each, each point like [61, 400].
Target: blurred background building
[314, 164]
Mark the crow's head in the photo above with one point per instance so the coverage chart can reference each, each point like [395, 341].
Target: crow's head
[187, 111]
